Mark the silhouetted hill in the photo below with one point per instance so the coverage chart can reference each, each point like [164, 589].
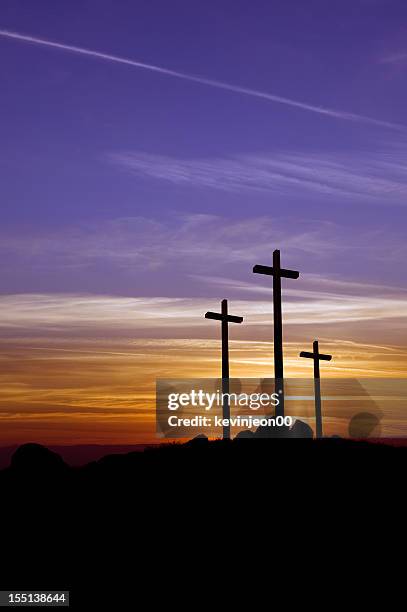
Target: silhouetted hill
[84, 528]
[171, 463]
[37, 459]
[76, 454]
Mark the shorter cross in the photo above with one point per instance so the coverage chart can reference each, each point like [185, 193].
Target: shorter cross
[226, 319]
[317, 357]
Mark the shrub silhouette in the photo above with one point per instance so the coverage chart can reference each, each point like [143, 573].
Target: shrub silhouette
[34, 459]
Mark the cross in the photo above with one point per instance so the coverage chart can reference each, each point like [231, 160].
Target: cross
[277, 273]
[317, 357]
[226, 319]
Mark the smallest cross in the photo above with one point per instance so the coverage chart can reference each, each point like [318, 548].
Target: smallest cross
[226, 319]
[317, 357]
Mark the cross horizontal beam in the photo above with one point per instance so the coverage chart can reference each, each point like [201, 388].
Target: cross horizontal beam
[220, 317]
[270, 271]
[320, 356]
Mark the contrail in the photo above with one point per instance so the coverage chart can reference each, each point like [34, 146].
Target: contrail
[197, 79]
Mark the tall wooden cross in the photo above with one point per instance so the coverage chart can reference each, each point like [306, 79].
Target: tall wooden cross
[226, 319]
[277, 272]
[317, 357]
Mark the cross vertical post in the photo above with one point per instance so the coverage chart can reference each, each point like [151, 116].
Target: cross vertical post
[277, 273]
[316, 356]
[225, 341]
[225, 319]
[225, 369]
[278, 330]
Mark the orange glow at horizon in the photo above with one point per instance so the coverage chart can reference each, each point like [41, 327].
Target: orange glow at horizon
[78, 391]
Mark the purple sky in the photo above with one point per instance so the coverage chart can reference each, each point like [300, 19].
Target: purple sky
[125, 181]
[153, 151]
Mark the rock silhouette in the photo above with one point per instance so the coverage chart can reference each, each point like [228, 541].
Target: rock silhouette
[35, 459]
[245, 433]
[364, 425]
[266, 431]
[200, 440]
[298, 430]
[301, 430]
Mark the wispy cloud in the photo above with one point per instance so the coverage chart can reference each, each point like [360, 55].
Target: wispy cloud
[103, 390]
[194, 244]
[36, 314]
[379, 177]
[395, 58]
[336, 114]
[316, 287]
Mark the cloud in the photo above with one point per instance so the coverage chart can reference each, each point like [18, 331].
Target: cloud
[395, 58]
[84, 367]
[193, 244]
[103, 390]
[37, 314]
[313, 287]
[172, 256]
[375, 177]
[336, 114]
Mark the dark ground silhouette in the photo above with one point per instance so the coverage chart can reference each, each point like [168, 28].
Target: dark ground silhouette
[76, 454]
[171, 512]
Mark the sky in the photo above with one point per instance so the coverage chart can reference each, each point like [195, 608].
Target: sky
[151, 153]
